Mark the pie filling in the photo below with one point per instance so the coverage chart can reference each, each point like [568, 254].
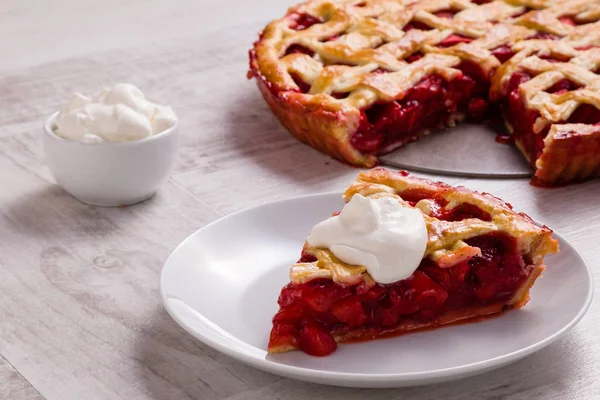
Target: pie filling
[430, 104]
[313, 314]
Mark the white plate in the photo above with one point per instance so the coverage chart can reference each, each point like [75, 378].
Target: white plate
[221, 285]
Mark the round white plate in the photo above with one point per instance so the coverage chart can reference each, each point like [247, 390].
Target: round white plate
[221, 285]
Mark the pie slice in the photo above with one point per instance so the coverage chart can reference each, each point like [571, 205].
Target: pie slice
[480, 258]
[357, 79]
[549, 94]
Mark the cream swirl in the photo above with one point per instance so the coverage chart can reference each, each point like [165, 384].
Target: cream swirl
[383, 235]
[117, 114]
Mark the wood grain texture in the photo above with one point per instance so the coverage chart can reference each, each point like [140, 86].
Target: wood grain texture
[14, 385]
[79, 308]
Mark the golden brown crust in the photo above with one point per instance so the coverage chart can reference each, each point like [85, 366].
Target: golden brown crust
[369, 37]
[281, 348]
[571, 153]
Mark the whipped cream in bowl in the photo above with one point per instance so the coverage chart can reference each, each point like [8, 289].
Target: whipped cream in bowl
[117, 114]
[386, 237]
[113, 147]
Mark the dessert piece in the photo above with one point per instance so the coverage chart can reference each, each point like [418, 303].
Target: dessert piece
[357, 79]
[550, 99]
[406, 253]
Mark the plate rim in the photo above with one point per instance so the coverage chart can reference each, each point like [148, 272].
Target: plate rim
[341, 378]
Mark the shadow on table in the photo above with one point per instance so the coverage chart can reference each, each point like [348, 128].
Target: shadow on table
[173, 365]
[255, 133]
[52, 211]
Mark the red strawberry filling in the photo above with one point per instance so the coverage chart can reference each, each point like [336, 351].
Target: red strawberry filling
[503, 53]
[313, 313]
[296, 48]
[544, 36]
[430, 104]
[454, 39]
[300, 22]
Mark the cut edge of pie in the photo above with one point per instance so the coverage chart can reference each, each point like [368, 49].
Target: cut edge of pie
[481, 258]
[357, 79]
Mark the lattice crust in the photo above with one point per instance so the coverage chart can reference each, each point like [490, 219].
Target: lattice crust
[369, 38]
[579, 69]
[446, 244]
[361, 53]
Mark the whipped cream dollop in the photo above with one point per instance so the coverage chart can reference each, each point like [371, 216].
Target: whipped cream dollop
[386, 237]
[117, 114]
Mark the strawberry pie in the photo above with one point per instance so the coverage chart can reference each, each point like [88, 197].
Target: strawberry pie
[356, 79]
[403, 254]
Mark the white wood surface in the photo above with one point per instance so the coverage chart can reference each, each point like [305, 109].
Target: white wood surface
[80, 316]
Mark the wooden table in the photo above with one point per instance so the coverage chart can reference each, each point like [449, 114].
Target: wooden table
[80, 316]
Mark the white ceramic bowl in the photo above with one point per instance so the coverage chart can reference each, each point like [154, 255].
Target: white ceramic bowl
[111, 174]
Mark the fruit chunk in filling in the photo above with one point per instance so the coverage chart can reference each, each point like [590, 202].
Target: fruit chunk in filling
[313, 313]
[430, 104]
